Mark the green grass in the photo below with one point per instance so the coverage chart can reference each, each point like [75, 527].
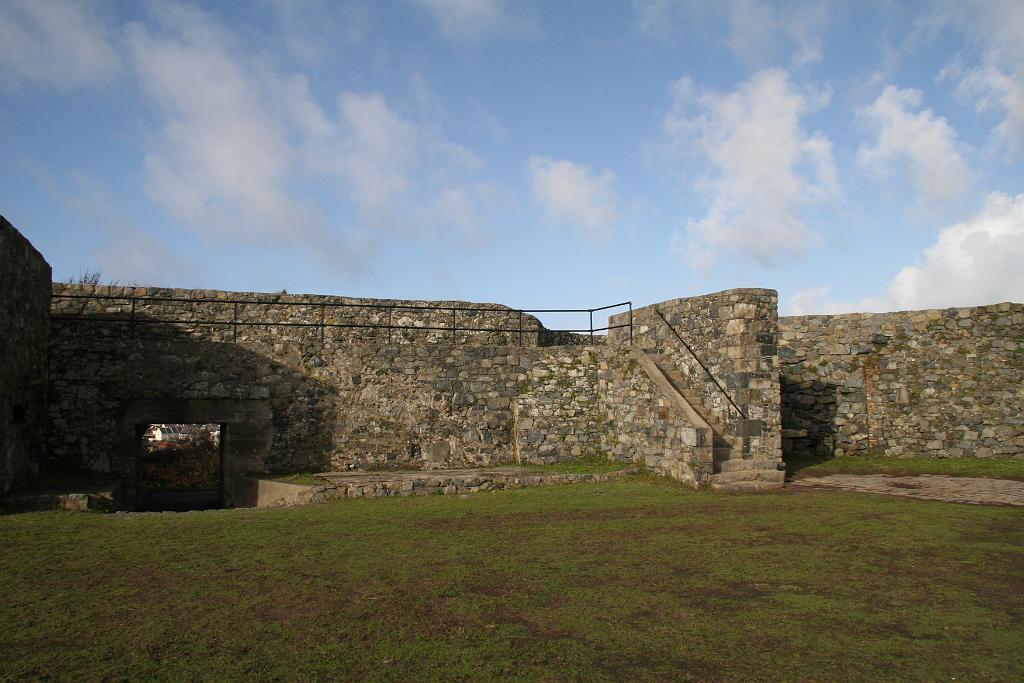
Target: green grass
[595, 463]
[859, 464]
[638, 579]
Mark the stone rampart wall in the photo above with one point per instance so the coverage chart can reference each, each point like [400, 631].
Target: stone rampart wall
[338, 399]
[342, 401]
[344, 319]
[733, 333]
[934, 383]
[644, 425]
[24, 324]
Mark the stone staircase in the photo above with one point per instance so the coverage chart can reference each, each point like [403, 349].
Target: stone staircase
[731, 471]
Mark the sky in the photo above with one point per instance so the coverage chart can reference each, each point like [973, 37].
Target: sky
[854, 155]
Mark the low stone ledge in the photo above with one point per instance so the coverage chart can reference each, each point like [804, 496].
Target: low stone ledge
[440, 482]
[94, 501]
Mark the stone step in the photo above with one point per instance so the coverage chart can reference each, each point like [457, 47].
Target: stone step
[746, 486]
[748, 475]
[736, 464]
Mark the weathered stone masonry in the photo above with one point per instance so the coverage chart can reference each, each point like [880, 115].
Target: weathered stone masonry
[343, 397]
[937, 383]
[327, 395]
[24, 325]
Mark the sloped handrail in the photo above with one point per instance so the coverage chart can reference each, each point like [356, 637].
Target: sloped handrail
[700, 363]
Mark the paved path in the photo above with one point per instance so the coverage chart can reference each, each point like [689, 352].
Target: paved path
[929, 486]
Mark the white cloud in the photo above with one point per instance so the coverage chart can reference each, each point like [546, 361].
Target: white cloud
[239, 138]
[815, 301]
[925, 143]
[766, 167]
[572, 193]
[467, 19]
[760, 33]
[404, 176]
[223, 157]
[991, 89]
[995, 84]
[972, 263]
[59, 43]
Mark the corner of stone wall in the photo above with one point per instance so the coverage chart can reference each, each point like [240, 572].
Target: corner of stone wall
[24, 329]
[645, 426]
[734, 361]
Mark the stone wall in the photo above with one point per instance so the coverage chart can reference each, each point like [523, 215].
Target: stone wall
[341, 398]
[644, 425]
[557, 409]
[24, 323]
[935, 383]
[733, 334]
[337, 397]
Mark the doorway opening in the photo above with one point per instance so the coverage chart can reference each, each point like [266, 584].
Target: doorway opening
[180, 466]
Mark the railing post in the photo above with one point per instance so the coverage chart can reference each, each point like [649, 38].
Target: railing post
[323, 308]
[591, 325]
[630, 323]
[453, 327]
[520, 328]
[390, 309]
[234, 322]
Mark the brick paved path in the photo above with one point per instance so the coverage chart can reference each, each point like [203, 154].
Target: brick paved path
[977, 491]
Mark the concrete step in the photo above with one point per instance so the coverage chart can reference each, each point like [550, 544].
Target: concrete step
[748, 475]
[736, 464]
[747, 486]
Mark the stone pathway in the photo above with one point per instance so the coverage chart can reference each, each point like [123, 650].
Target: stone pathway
[972, 490]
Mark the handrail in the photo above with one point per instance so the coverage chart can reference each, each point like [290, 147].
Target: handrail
[700, 363]
[322, 325]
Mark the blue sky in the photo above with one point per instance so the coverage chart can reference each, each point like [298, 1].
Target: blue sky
[852, 155]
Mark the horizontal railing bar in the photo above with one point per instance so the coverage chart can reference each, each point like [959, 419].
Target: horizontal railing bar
[261, 323]
[603, 308]
[334, 304]
[360, 326]
[331, 304]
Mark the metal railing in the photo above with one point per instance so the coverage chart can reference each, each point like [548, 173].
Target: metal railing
[134, 316]
[701, 364]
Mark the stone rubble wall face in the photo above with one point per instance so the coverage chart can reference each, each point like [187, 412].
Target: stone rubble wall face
[342, 402]
[643, 426]
[734, 334]
[24, 325]
[934, 383]
[557, 407]
[337, 402]
[304, 309]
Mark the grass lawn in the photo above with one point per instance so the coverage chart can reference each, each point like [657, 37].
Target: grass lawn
[637, 579]
[860, 464]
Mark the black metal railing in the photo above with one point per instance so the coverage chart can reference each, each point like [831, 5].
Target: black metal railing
[135, 317]
[714, 381]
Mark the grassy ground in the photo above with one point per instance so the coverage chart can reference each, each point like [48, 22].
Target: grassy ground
[632, 580]
[857, 464]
